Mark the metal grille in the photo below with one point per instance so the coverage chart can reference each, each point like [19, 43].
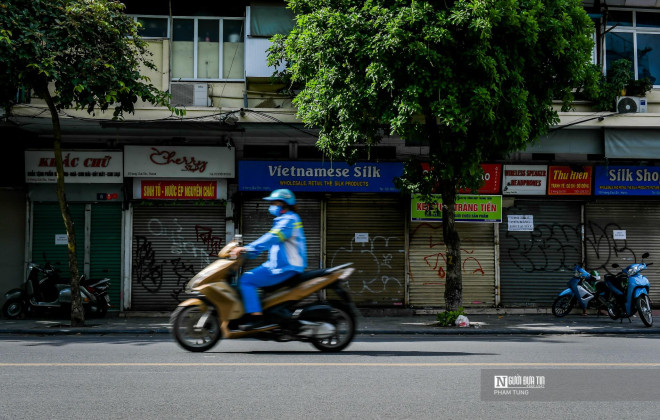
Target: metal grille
[170, 245]
[641, 222]
[428, 264]
[257, 221]
[535, 266]
[379, 277]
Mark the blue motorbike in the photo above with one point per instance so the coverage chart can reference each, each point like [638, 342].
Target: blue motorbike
[629, 292]
[585, 286]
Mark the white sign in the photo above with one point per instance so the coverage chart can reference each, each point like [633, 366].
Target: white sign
[60, 239]
[618, 234]
[361, 237]
[524, 179]
[179, 162]
[521, 223]
[80, 166]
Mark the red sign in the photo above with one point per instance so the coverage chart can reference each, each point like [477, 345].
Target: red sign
[178, 190]
[492, 177]
[564, 180]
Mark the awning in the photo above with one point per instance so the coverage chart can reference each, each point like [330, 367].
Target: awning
[632, 144]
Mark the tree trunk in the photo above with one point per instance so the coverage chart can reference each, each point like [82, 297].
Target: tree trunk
[77, 312]
[454, 279]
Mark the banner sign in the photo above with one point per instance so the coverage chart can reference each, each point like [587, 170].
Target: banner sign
[468, 208]
[627, 180]
[88, 167]
[151, 189]
[178, 162]
[491, 178]
[524, 179]
[318, 176]
[563, 180]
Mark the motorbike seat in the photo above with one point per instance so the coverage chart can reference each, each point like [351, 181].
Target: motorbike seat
[301, 277]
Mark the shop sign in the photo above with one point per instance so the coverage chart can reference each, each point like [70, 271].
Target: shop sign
[178, 162]
[491, 178]
[524, 179]
[468, 208]
[149, 189]
[318, 176]
[565, 180]
[88, 167]
[627, 180]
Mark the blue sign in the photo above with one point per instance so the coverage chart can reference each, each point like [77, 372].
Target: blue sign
[318, 176]
[627, 180]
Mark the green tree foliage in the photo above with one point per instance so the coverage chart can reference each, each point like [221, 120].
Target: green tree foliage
[83, 54]
[474, 79]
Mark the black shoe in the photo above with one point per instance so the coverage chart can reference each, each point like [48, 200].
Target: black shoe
[255, 323]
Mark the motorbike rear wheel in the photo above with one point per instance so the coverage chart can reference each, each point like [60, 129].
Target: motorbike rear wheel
[344, 323]
[643, 305]
[14, 309]
[184, 322]
[563, 305]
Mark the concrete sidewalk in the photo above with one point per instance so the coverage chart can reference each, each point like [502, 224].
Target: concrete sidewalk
[502, 323]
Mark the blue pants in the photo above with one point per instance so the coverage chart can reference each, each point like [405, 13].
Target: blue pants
[259, 277]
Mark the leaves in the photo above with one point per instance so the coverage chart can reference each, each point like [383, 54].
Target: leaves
[89, 51]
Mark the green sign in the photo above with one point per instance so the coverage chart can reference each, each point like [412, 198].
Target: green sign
[468, 208]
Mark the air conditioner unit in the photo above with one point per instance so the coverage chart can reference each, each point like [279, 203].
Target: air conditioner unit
[190, 94]
[630, 104]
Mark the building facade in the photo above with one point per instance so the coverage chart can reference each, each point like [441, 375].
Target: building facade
[154, 198]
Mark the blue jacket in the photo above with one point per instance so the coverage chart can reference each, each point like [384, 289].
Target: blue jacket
[286, 245]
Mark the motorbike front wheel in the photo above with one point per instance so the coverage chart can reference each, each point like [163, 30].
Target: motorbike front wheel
[643, 305]
[344, 323]
[13, 309]
[189, 333]
[562, 305]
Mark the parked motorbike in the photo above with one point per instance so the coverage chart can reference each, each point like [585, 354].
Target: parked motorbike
[592, 291]
[44, 290]
[296, 309]
[629, 291]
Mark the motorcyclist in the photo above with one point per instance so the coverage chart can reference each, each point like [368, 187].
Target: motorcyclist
[287, 255]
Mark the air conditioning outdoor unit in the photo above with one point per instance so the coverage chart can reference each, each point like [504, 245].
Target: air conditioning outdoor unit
[190, 94]
[630, 104]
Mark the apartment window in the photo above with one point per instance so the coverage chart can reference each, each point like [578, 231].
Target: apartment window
[153, 27]
[635, 36]
[207, 49]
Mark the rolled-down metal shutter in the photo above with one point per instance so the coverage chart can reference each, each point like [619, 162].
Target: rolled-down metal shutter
[257, 221]
[641, 222]
[379, 262]
[105, 248]
[170, 245]
[47, 222]
[428, 264]
[535, 265]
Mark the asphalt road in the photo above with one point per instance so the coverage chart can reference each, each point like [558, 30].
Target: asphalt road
[388, 377]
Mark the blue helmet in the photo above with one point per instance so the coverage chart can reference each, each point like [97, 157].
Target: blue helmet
[282, 195]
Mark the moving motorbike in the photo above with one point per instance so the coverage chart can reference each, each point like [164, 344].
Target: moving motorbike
[44, 290]
[629, 291]
[592, 292]
[295, 309]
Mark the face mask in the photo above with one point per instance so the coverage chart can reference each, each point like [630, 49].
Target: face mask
[275, 210]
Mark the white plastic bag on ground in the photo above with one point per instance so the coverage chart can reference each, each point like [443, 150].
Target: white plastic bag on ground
[462, 321]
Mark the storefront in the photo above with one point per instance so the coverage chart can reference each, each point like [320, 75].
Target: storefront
[93, 181]
[477, 217]
[178, 218]
[350, 213]
[540, 237]
[624, 220]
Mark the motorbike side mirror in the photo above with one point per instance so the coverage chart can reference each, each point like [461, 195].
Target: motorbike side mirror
[645, 255]
[615, 265]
